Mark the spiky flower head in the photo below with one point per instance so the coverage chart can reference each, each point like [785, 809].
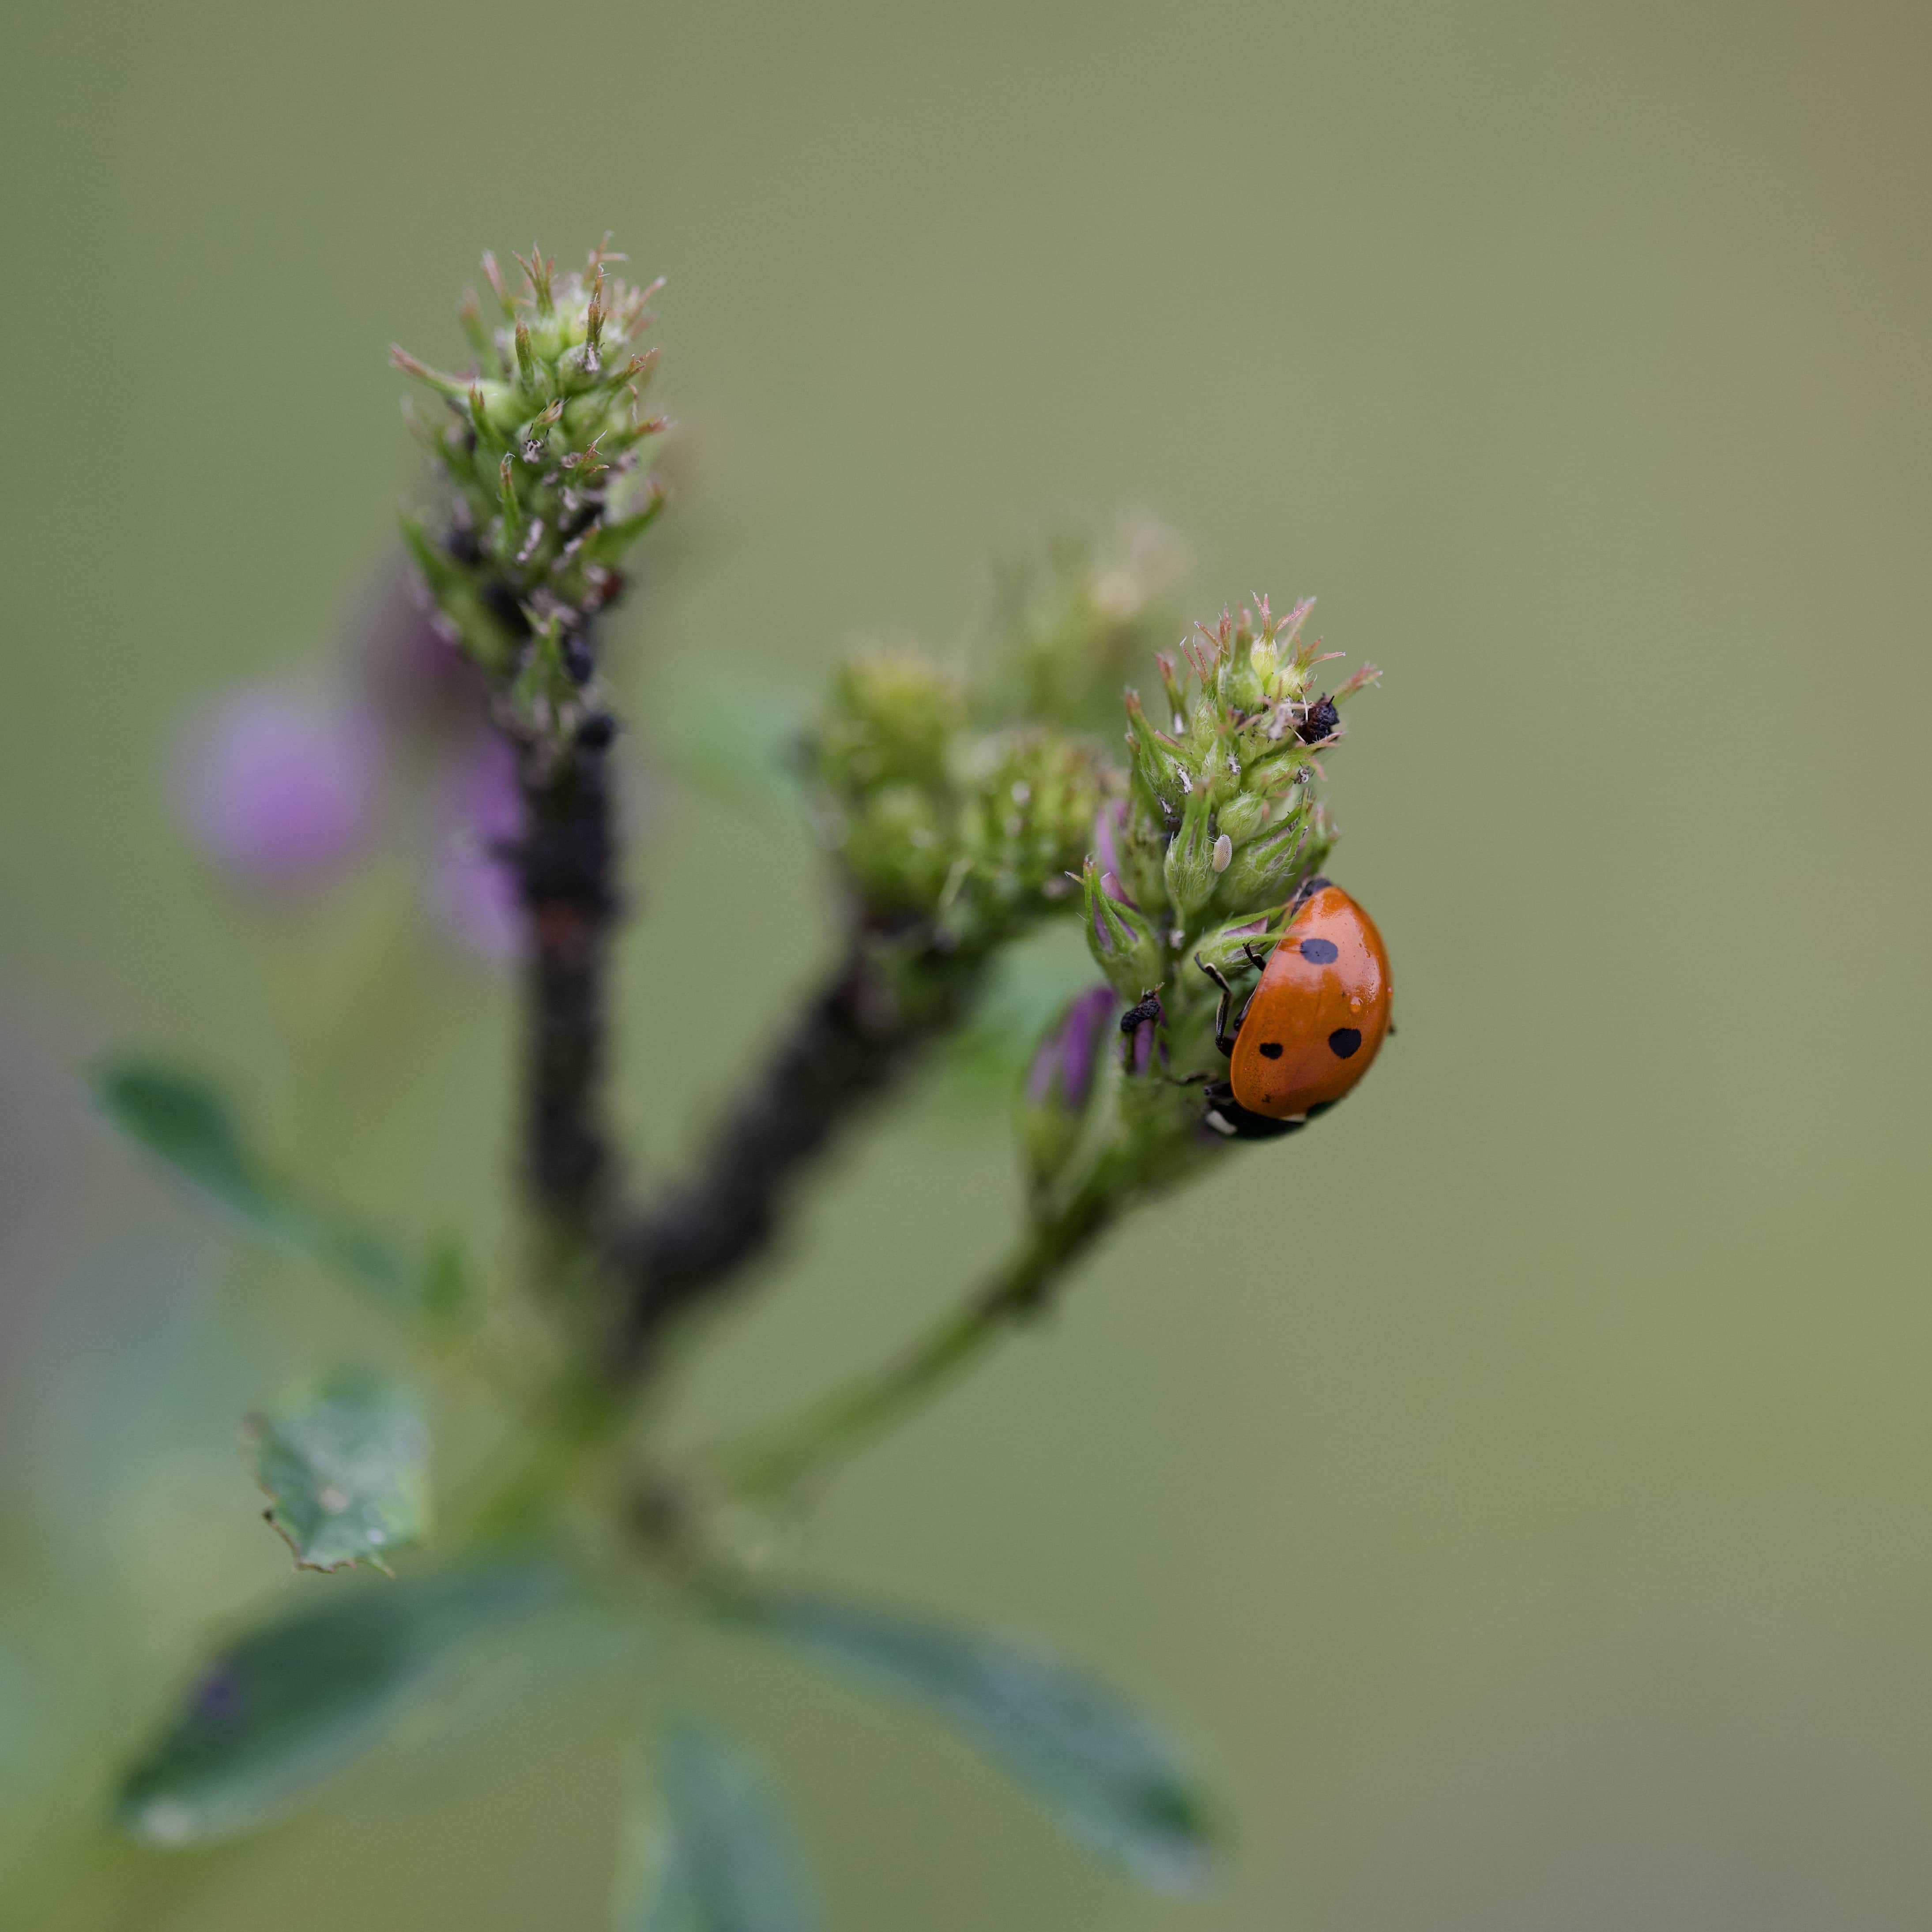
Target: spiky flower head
[1223, 821]
[541, 442]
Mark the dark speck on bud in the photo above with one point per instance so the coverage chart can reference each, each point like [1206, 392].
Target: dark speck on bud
[1320, 722]
[578, 662]
[596, 732]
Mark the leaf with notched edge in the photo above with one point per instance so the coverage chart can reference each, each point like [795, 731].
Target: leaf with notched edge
[345, 1463]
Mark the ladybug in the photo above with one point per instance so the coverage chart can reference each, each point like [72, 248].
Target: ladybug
[1313, 1024]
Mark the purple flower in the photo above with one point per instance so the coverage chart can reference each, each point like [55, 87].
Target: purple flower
[473, 890]
[280, 790]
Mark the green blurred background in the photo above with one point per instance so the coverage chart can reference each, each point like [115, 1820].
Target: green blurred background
[1518, 1489]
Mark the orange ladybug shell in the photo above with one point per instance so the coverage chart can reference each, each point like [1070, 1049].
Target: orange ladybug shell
[1316, 1021]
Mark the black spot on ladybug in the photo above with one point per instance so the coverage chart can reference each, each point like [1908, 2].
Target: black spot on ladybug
[1320, 952]
[1270, 1049]
[1345, 1042]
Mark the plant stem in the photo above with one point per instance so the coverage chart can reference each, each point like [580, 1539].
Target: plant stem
[565, 862]
[857, 1037]
[837, 1427]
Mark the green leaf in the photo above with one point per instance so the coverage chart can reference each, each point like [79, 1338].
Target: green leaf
[1094, 1761]
[345, 1463]
[727, 1860]
[186, 1123]
[290, 1706]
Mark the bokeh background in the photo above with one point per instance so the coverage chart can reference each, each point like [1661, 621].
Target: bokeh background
[1516, 1490]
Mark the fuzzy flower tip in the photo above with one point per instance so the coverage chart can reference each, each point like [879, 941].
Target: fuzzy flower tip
[543, 444]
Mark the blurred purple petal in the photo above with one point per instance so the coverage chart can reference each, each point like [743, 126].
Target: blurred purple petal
[1110, 825]
[415, 676]
[473, 890]
[280, 790]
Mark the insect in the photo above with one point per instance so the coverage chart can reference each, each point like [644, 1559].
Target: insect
[1312, 1026]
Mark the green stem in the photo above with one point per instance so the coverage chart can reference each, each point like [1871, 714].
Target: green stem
[837, 1427]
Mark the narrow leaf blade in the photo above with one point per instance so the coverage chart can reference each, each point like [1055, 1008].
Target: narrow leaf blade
[345, 1463]
[728, 1861]
[188, 1124]
[288, 1706]
[1094, 1762]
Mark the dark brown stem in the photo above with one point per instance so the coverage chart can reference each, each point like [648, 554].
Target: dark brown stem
[566, 861]
[855, 1038]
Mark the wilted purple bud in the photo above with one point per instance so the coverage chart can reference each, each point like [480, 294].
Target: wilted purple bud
[473, 887]
[280, 790]
[1063, 1067]
[1061, 1082]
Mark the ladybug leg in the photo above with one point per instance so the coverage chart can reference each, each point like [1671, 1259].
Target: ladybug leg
[1223, 1039]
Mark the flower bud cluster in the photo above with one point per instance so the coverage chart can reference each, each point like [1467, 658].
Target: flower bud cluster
[973, 836]
[542, 445]
[1075, 620]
